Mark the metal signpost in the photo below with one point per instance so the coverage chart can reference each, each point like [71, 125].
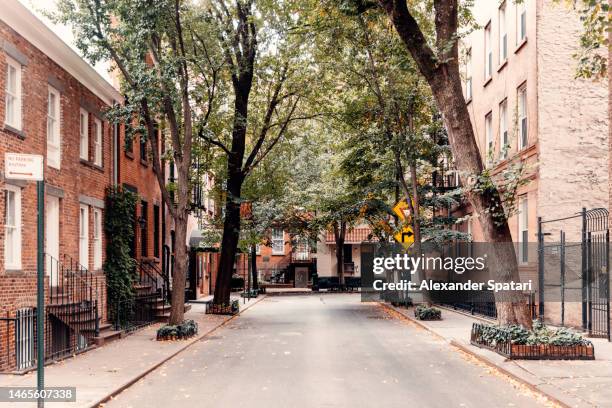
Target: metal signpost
[29, 167]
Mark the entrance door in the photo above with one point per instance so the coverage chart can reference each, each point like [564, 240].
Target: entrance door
[301, 277]
[52, 238]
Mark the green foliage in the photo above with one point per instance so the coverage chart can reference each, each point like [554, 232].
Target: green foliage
[119, 266]
[423, 312]
[188, 328]
[540, 334]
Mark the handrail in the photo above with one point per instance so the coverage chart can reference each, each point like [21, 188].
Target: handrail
[88, 275]
[155, 275]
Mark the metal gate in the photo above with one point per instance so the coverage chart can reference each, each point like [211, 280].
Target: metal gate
[577, 271]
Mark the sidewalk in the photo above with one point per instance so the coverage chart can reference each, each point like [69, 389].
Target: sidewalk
[574, 384]
[109, 369]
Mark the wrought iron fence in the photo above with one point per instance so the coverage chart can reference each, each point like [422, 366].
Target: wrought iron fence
[132, 314]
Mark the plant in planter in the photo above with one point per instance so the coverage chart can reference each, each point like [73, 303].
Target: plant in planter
[185, 330]
[423, 312]
[540, 343]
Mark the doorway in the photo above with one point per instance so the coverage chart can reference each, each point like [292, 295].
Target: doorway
[52, 238]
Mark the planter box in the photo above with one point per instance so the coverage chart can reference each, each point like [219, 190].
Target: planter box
[212, 308]
[533, 352]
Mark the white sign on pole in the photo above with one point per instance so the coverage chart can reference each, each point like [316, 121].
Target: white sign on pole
[19, 166]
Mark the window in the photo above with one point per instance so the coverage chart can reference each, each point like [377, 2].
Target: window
[489, 136]
[257, 249]
[156, 231]
[521, 15]
[97, 238]
[278, 242]
[143, 148]
[523, 230]
[144, 223]
[53, 128]
[12, 227]
[522, 111]
[84, 132]
[468, 74]
[84, 236]
[12, 114]
[503, 129]
[98, 142]
[503, 34]
[488, 53]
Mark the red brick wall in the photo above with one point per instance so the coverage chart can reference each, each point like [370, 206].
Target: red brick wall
[138, 172]
[75, 178]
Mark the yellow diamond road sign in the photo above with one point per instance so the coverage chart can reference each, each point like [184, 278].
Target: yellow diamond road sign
[402, 210]
[406, 235]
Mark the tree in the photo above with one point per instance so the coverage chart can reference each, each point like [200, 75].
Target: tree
[158, 49]
[268, 76]
[438, 61]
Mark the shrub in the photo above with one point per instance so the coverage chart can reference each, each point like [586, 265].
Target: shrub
[540, 334]
[184, 330]
[423, 312]
[237, 282]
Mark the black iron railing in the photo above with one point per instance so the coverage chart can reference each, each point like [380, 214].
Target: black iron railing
[150, 274]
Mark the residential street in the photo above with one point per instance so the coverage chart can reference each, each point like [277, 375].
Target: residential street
[323, 351]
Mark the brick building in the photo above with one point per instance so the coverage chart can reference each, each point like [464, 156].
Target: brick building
[52, 105]
[527, 107]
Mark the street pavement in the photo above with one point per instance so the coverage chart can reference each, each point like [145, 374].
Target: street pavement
[323, 351]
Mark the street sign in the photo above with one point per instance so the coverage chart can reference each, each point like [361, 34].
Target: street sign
[402, 210]
[405, 237]
[19, 166]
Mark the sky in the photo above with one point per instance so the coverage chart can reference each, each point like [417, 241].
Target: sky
[64, 32]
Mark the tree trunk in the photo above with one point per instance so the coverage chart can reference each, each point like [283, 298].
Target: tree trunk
[339, 234]
[231, 223]
[179, 269]
[445, 82]
[254, 273]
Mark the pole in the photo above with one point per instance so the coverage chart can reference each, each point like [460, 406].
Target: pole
[40, 295]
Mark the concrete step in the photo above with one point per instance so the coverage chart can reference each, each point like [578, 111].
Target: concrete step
[107, 336]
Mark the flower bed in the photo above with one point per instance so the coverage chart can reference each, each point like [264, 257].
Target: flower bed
[422, 312]
[231, 309]
[185, 330]
[541, 343]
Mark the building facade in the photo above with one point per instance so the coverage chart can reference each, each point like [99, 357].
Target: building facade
[528, 109]
[52, 105]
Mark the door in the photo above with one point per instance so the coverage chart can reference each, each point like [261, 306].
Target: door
[301, 277]
[84, 236]
[52, 238]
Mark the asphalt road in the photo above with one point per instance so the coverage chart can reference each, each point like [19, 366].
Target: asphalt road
[323, 351]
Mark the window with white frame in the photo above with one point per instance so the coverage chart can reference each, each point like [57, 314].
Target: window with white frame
[257, 249]
[503, 129]
[12, 107]
[521, 23]
[468, 74]
[84, 134]
[523, 223]
[84, 236]
[522, 116]
[489, 136]
[98, 142]
[278, 242]
[503, 34]
[488, 53]
[12, 227]
[53, 128]
[97, 239]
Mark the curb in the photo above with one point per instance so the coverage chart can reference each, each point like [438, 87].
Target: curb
[532, 386]
[136, 378]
